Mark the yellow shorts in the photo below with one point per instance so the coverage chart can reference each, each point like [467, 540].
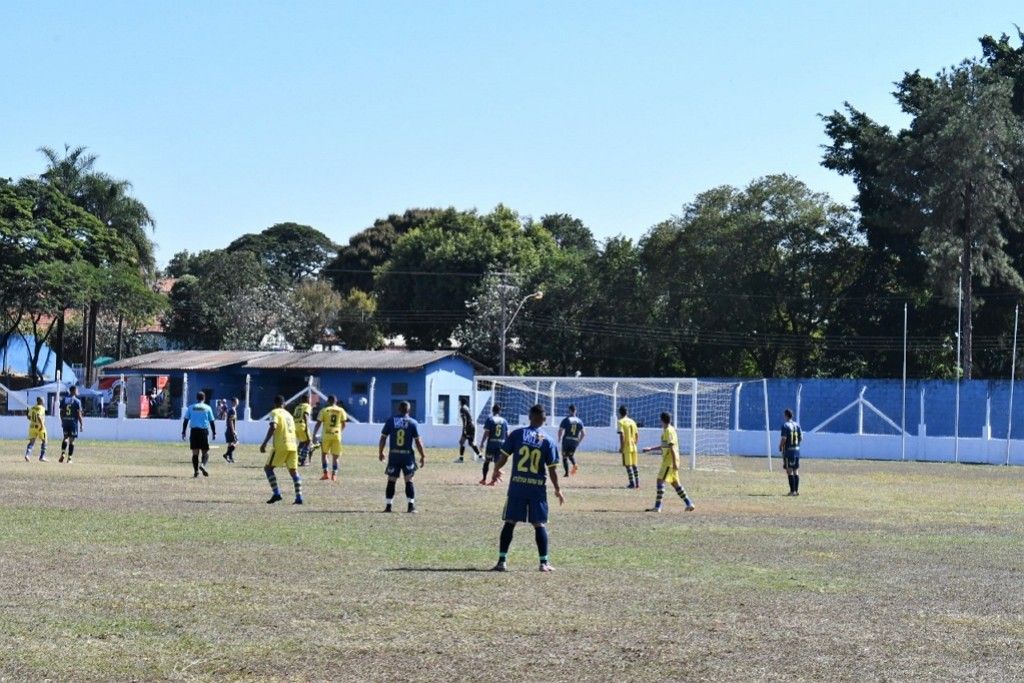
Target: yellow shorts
[331, 444]
[289, 459]
[668, 474]
[37, 434]
[301, 435]
[629, 459]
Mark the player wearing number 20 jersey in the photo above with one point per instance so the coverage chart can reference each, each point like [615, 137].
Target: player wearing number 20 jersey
[534, 458]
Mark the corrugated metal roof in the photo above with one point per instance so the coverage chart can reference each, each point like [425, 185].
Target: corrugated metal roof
[354, 360]
[184, 360]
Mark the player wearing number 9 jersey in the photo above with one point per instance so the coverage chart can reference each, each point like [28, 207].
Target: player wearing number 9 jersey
[400, 433]
[534, 458]
[332, 419]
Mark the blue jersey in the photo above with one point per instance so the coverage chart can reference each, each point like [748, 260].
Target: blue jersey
[401, 431]
[199, 416]
[531, 453]
[793, 435]
[572, 430]
[70, 409]
[497, 429]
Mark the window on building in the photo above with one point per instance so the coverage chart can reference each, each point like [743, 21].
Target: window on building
[360, 388]
[400, 389]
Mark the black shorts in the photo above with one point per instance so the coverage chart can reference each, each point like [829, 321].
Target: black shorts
[401, 463]
[70, 429]
[569, 449]
[230, 437]
[199, 439]
[791, 460]
[469, 433]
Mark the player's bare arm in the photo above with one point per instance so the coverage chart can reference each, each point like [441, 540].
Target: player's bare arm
[419, 447]
[782, 444]
[483, 440]
[184, 426]
[268, 437]
[380, 447]
[553, 473]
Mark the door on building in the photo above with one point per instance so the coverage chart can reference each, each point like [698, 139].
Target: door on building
[443, 404]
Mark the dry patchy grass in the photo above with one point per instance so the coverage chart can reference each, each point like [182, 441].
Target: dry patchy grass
[122, 567]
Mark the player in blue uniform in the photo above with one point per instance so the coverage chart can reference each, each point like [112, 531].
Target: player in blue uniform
[399, 434]
[789, 446]
[535, 458]
[570, 435]
[495, 431]
[199, 418]
[71, 423]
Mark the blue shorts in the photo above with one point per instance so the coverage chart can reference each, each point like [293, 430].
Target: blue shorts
[520, 509]
[70, 428]
[401, 463]
[569, 447]
[791, 460]
[493, 454]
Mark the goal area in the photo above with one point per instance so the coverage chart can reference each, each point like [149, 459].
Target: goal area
[700, 409]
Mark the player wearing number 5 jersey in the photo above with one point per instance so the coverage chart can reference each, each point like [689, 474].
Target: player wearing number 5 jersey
[332, 419]
[71, 423]
[400, 433]
[534, 459]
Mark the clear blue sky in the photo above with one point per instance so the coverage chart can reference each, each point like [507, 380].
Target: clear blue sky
[231, 116]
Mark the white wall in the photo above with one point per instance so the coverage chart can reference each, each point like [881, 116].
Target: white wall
[752, 443]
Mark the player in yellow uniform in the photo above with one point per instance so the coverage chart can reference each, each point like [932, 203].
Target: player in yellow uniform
[301, 415]
[285, 453]
[629, 435]
[669, 471]
[332, 419]
[36, 430]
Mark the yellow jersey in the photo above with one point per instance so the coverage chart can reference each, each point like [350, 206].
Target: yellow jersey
[669, 443]
[629, 432]
[37, 417]
[333, 419]
[284, 431]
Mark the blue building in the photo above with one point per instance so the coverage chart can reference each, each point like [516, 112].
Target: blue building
[370, 384]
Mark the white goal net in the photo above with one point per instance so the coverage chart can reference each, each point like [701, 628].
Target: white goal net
[700, 410]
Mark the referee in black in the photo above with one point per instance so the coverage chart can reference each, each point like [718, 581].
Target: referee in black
[199, 417]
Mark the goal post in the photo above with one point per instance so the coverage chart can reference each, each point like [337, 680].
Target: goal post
[701, 410]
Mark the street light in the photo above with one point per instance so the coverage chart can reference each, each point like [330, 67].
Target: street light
[506, 325]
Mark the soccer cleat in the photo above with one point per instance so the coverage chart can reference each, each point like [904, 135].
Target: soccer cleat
[632, 486]
[42, 458]
[653, 510]
[26, 457]
[274, 498]
[412, 509]
[796, 493]
[546, 567]
[502, 566]
[334, 477]
[459, 459]
[575, 469]
[326, 477]
[691, 507]
[69, 459]
[195, 475]
[387, 508]
[483, 482]
[61, 458]
[298, 501]
[201, 469]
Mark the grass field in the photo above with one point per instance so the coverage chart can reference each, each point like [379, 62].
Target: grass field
[122, 567]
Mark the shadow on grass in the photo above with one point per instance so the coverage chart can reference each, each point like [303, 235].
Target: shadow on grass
[621, 512]
[340, 512]
[218, 502]
[151, 476]
[443, 570]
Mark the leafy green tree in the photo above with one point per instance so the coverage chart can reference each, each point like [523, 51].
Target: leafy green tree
[312, 313]
[436, 268]
[230, 304]
[371, 248]
[356, 325]
[289, 252]
[950, 180]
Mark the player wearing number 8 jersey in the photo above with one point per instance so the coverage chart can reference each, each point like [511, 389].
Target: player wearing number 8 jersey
[400, 433]
[534, 458]
[332, 419]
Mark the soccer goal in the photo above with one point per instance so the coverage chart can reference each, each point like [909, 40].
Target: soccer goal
[700, 410]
